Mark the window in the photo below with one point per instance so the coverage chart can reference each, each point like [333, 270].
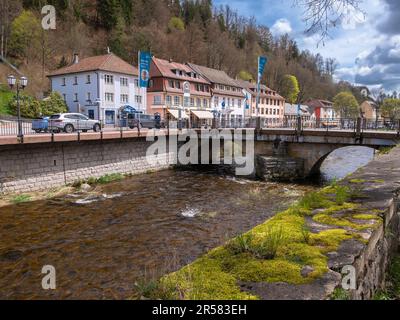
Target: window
[171, 84]
[216, 101]
[177, 84]
[157, 100]
[65, 97]
[205, 103]
[191, 102]
[124, 82]
[138, 99]
[75, 81]
[177, 100]
[63, 82]
[124, 98]
[198, 102]
[109, 79]
[88, 96]
[136, 81]
[109, 97]
[75, 97]
[239, 103]
[91, 114]
[88, 79]
[151, 83]
[168, 100]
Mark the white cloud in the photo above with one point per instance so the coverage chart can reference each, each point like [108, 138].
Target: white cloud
[281, 27]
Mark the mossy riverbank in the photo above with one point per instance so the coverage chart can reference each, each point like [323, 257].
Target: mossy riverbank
[286, 248]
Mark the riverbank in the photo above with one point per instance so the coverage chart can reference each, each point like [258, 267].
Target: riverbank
[300, 252]
[88, 186]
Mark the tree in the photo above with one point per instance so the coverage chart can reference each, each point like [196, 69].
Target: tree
[108, 12]
[176, 24]
[33, 108]
[25, 36]
[391, 108]
[346, 105]
[53, 104]
[245, 75]
[290, 88]
[30, 107]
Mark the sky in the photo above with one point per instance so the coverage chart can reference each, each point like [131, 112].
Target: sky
[366, 45]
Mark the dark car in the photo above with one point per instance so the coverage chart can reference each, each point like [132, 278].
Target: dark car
[140, 120]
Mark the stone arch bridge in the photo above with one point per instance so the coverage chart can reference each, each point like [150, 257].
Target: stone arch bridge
[312, 147]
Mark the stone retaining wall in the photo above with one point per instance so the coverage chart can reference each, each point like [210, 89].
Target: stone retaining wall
[37, 167]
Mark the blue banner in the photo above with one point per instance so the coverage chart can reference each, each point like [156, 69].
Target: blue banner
[144, 68]
[262, 61]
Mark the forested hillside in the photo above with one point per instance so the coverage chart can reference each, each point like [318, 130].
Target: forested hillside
[185, 31]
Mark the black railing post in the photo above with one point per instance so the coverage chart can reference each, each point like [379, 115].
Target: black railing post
[358, 127]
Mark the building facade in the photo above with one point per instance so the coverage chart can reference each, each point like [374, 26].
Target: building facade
[227, 96]
[175, 88]
[322, 109]
[99, 86]
[370, 110]
[271, 105]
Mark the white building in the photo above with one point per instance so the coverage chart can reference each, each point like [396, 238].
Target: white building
[99, 86]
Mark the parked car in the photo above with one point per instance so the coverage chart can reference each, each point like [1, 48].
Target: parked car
[140, 120]
[40, 125]
[70, 122]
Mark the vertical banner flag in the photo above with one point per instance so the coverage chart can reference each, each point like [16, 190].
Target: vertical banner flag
[144, 68]
[262, 61]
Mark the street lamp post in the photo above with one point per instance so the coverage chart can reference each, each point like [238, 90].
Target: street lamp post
[19, 85]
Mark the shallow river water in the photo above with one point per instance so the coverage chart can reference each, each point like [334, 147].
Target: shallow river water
[101, 244]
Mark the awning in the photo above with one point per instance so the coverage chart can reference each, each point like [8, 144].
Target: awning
[175, 114]
[203, 115]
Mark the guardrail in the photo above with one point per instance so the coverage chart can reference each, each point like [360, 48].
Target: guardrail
[358, 125]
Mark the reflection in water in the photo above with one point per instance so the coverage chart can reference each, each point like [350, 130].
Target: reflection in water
[100, 245]
[344, 161]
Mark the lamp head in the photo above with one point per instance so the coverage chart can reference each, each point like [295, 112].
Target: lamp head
[11, 81]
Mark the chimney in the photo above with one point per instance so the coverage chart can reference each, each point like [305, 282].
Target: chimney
[76, 58]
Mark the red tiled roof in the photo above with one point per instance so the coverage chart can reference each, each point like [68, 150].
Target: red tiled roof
[109, 62]
[316, 103]
[252, 88]
[166, 69]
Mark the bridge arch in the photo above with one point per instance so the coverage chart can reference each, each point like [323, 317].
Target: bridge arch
[315, 167]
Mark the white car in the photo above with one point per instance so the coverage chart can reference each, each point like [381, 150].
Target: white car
[70, 122]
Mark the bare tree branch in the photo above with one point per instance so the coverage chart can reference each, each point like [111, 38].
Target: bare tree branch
[323, 15]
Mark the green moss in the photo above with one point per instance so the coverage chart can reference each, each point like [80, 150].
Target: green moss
[357, 181]
[21, 198]
[330, 240]
[216, 274]
[366, 217]
[109, 178]
[340, 294]
[378, 181]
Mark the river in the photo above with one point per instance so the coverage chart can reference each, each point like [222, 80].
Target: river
[139, 228]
